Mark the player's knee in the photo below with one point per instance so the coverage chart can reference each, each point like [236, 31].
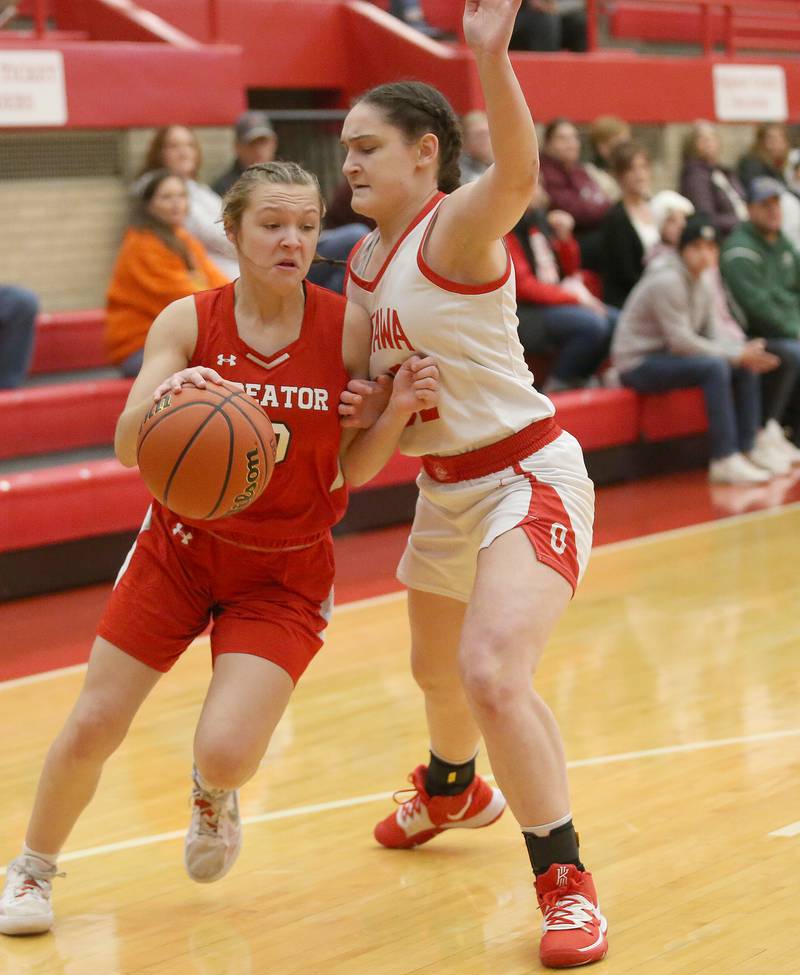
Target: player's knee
[431, 673]
[486, 686]
[93, 733]
[225, 764]
[487, 683]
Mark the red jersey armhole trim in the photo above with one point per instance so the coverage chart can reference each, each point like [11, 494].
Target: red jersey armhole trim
[454, 286]
[371, 285]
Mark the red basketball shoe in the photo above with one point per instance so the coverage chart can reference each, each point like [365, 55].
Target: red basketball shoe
[573, 930]
[422, 817]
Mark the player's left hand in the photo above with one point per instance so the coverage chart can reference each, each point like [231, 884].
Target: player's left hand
[416, 385]
[363, 401]
[488, 25]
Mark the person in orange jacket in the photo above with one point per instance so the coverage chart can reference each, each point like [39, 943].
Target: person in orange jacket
[159, 262]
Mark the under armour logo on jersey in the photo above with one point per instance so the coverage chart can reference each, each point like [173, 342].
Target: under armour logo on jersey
[222, 359]
[186, 537]
[562, 873]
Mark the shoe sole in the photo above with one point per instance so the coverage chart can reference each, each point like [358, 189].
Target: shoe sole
[555, 963]
[16, 926]
[491, 813]
[217, 876]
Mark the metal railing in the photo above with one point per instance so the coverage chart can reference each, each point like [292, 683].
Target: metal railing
[708, 10]
[39, 11]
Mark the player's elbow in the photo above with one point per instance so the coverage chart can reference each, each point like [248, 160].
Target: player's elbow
[355, 478]
[125, 444]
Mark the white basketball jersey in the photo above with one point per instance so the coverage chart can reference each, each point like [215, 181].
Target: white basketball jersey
[486, 388]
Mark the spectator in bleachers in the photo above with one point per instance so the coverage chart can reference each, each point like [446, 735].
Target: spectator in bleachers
[667, 338]
[256, 142]
[176, 148]
[476, 150]
[411, 12]
[18, 308]
[567, 181]
[340, 211]
[159, 262]
[555, 308]
[550, 25]
[670, 211]
[605, 134]
[343, 229]
[629, 231]
[768, 154]
[792, 172]
[790, 201]
[711, 187]
[761, 270]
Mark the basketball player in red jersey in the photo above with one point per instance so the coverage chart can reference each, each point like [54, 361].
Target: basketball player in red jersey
[503, 525]
[263, 576]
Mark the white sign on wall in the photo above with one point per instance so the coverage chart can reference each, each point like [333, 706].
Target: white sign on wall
[32, 88]
[750, 93]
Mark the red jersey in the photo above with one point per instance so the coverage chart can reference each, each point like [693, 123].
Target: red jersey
[299, 388]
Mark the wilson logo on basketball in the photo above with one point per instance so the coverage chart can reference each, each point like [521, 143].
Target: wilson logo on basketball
[253, 475]
[162, 404]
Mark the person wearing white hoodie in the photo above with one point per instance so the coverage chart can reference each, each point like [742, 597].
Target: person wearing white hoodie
[667, 338]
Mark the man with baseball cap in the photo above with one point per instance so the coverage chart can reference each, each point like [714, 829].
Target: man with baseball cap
[761, 270]
[256, 142]
[667, 338]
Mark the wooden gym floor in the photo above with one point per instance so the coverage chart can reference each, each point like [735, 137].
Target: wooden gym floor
[674, 678]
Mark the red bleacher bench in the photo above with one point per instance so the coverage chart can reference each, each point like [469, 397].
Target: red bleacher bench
[599, 418]
[674, 23]
[61, 504]
[68, 341]
[668, 416]
[46, 419]
[770, 25]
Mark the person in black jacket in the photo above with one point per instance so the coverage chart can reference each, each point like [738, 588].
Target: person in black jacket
[629, 229]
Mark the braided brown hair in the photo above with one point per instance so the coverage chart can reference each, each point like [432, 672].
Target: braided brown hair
[416, 109]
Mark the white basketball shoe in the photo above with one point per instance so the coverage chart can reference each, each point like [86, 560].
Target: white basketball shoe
[214, 837]
[25, 903]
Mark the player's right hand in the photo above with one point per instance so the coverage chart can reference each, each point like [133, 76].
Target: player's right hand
[363, 401]
[199, 376]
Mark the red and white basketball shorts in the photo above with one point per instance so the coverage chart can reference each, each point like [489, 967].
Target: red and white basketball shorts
[175, 579]
[548, 494]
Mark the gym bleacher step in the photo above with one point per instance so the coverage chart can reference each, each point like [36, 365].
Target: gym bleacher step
[68, 341]
[57, 417]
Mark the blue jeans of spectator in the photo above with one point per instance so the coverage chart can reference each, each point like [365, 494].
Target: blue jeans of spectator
[580, 335]
[18, 308]
[336, 245]
[732, 396]
[780, 385]
[130, 366]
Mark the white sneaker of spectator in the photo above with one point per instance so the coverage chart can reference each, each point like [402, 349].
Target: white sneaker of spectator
[736, 469]
[781, 442]
[765, 454]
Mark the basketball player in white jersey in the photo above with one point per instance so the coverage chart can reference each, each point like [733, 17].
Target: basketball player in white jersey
[503, 526]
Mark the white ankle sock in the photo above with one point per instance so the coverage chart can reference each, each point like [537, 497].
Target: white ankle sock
[212, 790]
[48, 859]
[547, 828]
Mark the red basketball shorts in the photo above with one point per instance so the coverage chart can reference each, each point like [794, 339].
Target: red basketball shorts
[175, 579]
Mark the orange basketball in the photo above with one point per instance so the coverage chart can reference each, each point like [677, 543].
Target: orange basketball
[206, 453]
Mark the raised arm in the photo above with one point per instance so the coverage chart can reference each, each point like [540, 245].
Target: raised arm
[478, 214]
